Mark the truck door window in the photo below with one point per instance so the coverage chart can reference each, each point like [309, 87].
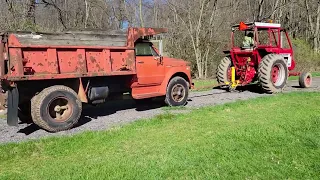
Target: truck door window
[145, 49]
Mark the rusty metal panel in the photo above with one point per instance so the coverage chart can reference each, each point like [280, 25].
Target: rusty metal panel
[67, 75]
[130, 59]
[95, 61]
[35, 61]
[81, 62]
[136, 33]
[16, 65]
[118, 60]
[52, 61]
[106, 59]
[67, 60]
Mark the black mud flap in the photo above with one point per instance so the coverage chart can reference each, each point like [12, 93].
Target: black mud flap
[13, 102]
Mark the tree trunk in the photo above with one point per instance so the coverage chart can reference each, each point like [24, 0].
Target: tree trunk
[317, 28]
[87, 14]
[140, 12]
[30, 16]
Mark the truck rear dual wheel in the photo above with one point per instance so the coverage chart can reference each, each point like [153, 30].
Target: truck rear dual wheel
[177, 92]
[273, 73]
[56, 108]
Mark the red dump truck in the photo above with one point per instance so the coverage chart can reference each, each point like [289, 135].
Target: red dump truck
[48, 76]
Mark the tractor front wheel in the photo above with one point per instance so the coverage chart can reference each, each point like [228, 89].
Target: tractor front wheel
[56, 108]
[224, 71]
[305, 80]
[273, 73]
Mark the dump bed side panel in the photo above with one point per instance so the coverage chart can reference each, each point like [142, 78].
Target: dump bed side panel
[39, 57]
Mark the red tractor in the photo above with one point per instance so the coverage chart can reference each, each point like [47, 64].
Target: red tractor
[260, 52]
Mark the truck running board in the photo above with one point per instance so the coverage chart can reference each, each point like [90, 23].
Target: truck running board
[13, 101]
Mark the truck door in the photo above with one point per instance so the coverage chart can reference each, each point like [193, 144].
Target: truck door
[149, 69]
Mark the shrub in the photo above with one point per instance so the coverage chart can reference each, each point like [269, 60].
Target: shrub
[306, 58]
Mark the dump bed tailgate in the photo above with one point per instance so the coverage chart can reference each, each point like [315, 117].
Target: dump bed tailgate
[2, 54]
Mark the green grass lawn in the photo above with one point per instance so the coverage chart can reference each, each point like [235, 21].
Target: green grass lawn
[266, 138]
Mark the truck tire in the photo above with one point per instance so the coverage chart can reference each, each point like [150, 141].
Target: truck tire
[273, 73]
[224, 70]
[56, 108]
[177, 92]
[305, 80]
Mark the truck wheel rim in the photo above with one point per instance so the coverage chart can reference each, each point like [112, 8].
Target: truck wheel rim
[308, 81]
[277, 74]
[178, 93]
[60, 109]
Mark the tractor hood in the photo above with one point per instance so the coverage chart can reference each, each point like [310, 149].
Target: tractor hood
[173, 62]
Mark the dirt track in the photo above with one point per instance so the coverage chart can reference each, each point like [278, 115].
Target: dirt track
[115, 113]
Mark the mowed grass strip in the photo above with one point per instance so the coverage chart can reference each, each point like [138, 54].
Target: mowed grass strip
[274, 137]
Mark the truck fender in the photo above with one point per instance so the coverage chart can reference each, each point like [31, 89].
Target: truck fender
[172, 73]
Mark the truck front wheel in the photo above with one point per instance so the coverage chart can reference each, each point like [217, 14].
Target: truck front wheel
[56, 108]
[177, 92]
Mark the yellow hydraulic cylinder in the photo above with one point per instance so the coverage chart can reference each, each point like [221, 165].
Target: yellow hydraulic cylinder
[234, 83]
[233, 75]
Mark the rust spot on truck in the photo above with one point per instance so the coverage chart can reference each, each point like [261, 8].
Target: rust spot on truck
[93, 60]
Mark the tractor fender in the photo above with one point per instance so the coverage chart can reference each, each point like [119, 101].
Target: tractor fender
[183, 72]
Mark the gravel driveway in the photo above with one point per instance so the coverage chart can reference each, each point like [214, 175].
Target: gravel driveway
[125, 111]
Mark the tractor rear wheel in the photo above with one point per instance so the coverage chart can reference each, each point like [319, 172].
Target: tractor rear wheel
[273, 73]
[224, 70]
[305, 80]
[56, 108]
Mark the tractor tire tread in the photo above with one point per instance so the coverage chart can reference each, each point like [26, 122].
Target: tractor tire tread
[225, 63]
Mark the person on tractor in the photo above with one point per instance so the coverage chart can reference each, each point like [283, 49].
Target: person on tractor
[248, 40]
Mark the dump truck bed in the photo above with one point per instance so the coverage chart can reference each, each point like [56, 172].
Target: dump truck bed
[37, 56]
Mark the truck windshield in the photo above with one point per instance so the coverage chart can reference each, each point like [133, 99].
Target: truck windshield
[145, 49]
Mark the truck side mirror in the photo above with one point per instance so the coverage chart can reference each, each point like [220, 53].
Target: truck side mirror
[159, 58]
